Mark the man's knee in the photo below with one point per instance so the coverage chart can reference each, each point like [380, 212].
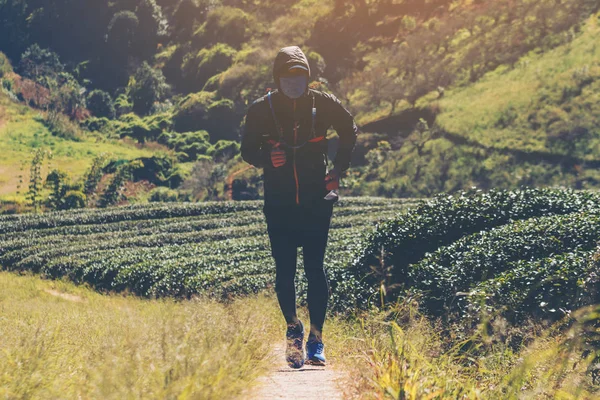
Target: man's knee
[284, 282]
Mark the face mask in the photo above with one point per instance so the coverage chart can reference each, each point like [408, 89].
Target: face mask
[293, 87]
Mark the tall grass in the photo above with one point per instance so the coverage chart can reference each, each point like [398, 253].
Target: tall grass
[399, 354]
[62, 341]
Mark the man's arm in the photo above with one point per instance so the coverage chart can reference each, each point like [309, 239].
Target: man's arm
[344, 125]
[252, 144]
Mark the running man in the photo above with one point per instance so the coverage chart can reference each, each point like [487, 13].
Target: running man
[285, 135]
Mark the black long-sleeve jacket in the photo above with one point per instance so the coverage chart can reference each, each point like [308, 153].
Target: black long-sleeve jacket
[301, 180]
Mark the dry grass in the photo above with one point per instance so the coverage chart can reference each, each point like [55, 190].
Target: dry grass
[61, 341]
[401, 355]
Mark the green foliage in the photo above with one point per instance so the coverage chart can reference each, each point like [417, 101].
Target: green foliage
[61, 126]
[5, 66]
[158, 170]
[223, 121]
[34, 192]
[191, 113]
[546, 288]
[151, 25]
[101, 104]
[93, 176]
[502, 254]
[64, 195]
[405, 240]
[40, 64]
[163, 195]
[188, 145]
[66, 96]
[198, 68]
[121, 33]
[123, 104]
[228, 25]
[134, 127]
[147, 87]
[172, 249]
[225, 150]
[113, 193]
[94, 124]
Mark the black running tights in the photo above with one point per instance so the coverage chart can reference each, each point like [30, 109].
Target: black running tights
[306, 227]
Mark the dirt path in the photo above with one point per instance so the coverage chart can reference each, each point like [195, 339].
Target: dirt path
[307, 383]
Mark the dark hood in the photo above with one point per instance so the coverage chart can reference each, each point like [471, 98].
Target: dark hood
[288, 56]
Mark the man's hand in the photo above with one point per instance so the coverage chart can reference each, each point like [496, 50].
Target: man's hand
[332, 180]
[278, 157]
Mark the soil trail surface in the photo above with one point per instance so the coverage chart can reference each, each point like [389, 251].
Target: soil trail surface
[307, 383]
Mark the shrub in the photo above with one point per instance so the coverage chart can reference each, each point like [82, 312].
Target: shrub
[94, 124]
[228, 25]
[121, 33]
[5, 66]
[101, 104]
[163, 194]
[74, 199]
[405, 240]
[134, 127]
[39, 64]
[64, 195]
[61, 126]
[188, 145]
[485, 255]
[225, 150]
[547, 289]
[123, 105]
[223, 121]
[147, 87]
[198, 68]
[191, 113]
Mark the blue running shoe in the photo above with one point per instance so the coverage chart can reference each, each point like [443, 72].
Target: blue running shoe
[294, 353]
[315, 352]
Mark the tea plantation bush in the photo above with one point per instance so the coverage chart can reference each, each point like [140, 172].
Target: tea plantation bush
[521, 254]
[174, 249]
[456, 268]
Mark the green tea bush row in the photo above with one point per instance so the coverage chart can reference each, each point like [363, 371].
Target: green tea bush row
[179, 250]
[451, 270]
[406, 239]
[547, 289]
[153, 211]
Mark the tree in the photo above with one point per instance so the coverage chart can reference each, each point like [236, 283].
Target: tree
[40, 64]
[224, 25]
[151, 26]
[200, 67]
[101, 104]
[121, 33]
[64, 195]
[186, 16]
[34, 193]
[148, 86]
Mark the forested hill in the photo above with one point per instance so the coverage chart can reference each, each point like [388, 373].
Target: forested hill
[504, 88]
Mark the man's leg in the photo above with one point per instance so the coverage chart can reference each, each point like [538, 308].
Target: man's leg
[313, 251]
[284, 251]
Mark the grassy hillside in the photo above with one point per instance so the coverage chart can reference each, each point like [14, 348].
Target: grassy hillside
[21, 132]
[549, 102]
[510, 83]
[532, 123]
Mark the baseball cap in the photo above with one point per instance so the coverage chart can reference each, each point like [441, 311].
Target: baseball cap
[298, 66]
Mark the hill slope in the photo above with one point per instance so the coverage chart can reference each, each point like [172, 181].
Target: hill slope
[22, 132]
[536, 123]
